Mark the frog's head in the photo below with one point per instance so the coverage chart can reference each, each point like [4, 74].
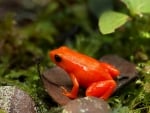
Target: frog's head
[62, 57]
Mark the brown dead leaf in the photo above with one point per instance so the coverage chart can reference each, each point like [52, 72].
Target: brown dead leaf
[53, 79]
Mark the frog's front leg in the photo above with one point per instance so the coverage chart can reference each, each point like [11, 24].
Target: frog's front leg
[102, 89]
[75, 89]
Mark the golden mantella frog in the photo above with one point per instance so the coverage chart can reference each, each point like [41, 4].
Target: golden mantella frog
[95, 76]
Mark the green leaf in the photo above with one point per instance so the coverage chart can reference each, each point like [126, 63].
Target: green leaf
[138, 6]
[110, 20]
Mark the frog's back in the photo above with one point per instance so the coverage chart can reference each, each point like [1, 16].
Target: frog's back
[87, 75]
[77, 58]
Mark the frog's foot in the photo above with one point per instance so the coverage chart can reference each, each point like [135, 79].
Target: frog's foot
[102, 89]
[68, 94]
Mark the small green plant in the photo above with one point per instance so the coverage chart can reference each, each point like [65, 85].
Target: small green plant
[111, 20]
[129, 26]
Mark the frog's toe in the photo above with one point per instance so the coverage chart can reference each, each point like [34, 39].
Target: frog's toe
[72, 96]
[68, 94]
[64, 89]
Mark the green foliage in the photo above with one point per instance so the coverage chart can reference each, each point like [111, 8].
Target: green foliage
[128, 27]
[111, 20]
[135, 97]
[82, 44]
[137, 6]
[99, 6]
[2, 111]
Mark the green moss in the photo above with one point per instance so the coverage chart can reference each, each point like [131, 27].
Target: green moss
[2, 111]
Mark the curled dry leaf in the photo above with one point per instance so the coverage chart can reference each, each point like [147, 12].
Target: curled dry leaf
[56, 77]
[53, 79]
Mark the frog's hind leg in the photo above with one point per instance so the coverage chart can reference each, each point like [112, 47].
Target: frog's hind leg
[102, 89]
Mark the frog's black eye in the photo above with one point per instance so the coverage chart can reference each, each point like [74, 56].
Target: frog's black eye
[57, 58]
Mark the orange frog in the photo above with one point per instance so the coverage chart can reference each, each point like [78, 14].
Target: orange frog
[95, 76]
